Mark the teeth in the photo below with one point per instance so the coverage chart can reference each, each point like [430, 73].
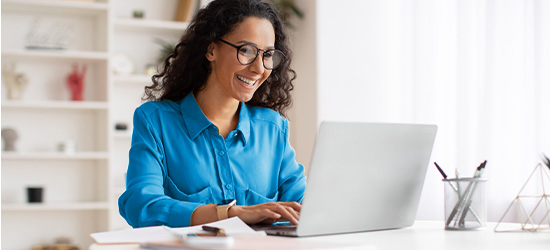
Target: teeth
[246, 81]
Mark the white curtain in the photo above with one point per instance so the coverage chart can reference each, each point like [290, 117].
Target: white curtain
[480, 69]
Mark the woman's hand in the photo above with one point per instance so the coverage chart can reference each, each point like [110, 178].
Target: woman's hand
[267, 213]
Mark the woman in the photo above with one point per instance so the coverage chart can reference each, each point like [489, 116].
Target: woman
[212, 133]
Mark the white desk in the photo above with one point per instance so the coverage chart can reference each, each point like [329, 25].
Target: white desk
[424, 235]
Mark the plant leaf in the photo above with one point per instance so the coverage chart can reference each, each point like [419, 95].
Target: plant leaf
[166, 49]
[297, 11]
[287, 9]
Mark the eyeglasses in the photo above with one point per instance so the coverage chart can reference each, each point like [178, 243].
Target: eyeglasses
[247, 54]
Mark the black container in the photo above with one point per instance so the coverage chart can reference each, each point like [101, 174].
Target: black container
[34, 194]
[121, 126]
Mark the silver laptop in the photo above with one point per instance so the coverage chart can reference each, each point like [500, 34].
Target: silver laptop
[363, 177]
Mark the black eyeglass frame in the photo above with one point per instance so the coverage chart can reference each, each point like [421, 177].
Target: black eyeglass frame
[238, 47]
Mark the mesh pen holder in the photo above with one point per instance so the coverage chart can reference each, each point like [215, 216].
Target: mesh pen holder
[465, 204]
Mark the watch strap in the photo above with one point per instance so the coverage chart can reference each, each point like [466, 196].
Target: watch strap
[223, 210]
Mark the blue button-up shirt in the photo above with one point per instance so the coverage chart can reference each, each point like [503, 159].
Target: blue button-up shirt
[179, 161]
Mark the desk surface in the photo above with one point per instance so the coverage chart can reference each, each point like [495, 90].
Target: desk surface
[422, 235]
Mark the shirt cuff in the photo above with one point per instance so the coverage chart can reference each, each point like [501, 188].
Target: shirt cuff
[180, 214]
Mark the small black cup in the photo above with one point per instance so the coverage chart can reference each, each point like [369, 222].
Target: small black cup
[34, 194]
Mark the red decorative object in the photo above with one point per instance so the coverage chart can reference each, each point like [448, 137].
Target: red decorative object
[75, 81]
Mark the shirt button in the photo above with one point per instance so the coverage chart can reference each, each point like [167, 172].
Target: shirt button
[228, 186]
[221, 152]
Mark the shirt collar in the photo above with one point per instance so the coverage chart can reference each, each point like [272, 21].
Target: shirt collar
[194, 118]
[196, 121]
[244, 123]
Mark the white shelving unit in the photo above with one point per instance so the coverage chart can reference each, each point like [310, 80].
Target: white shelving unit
[55, 6]
[91, 105]
[57, 206]
[150, 25]
[87, 56]
[82, 188]
[55, 156]
[76, 198]
[132, 79]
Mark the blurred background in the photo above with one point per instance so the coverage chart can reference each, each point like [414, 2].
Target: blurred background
[73, 71]
[480, 70]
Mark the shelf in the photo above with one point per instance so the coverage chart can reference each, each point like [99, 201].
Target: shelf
[122, 135]
[74, 105]
[56, 54]
[65, 206]
[138, 79]
[56, 6]
[150, 25]
[54, 156]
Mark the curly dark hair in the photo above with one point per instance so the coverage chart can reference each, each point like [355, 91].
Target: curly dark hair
[186, 69]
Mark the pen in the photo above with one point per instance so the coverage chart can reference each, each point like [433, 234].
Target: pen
[456, 190]
[546, 160]
[440, 170]
[457, 176]
[466, 200]
[215, 230]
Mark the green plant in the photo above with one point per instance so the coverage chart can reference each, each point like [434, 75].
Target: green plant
[287, 9]
[165, 50]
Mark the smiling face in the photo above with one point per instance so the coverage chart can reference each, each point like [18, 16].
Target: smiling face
[230, 78]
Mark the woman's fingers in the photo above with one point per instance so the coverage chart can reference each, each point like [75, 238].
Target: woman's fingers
[295, 205]
[294, 213]
[294, 209]
[269, 212]
[286, 212]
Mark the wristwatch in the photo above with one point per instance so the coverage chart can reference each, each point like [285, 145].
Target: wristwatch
[223, 210]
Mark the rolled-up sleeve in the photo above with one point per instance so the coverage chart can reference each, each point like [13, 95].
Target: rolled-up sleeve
[144, 202]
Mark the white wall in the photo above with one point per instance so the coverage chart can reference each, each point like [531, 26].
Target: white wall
[477, 69]
[303, 115]
[359, 49]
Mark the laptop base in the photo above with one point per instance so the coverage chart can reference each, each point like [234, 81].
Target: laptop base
[289, 231]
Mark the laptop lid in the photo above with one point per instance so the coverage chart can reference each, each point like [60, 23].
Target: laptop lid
[365, 176]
